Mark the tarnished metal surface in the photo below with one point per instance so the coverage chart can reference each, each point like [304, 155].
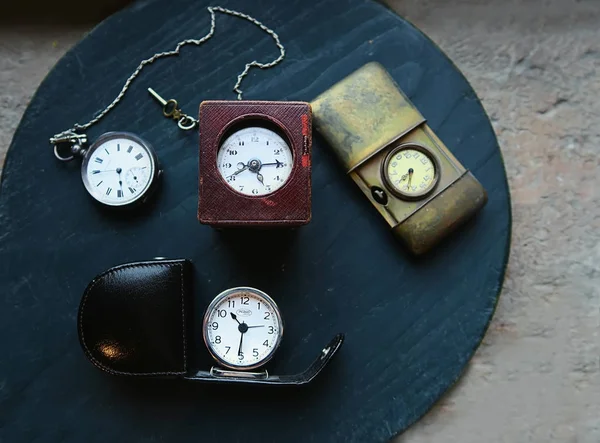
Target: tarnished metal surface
[364, 117]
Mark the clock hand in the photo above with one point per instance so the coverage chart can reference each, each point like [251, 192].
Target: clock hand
[235, 317]
[260, 178]
[241, 340]
[119, 170]
[410, 174]
[277, 163]
[240, 170]
[257, 326]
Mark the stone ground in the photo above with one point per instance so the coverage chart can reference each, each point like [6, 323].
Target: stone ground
[535, 65]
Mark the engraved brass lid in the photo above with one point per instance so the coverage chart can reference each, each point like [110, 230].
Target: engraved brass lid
[363, 113]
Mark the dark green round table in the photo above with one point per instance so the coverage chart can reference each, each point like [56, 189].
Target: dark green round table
[411, 325]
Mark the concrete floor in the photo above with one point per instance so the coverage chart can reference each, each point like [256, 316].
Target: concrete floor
[536, 378]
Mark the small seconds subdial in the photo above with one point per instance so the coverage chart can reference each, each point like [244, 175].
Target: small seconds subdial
[119, 169]
[411, 171]
[242, 328]
[255, 161]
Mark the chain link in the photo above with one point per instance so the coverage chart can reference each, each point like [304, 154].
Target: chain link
[71, 134]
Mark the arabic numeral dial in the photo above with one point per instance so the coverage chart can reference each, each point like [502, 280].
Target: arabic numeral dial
[255, 161]
[242, 328]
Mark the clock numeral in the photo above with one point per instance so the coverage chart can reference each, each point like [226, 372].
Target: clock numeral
[139, 156]
[129, 149]
[108, 191]
[424, 160]
[399, 157]
[394, 164]
[107, 151]
[428, 169]
[271, 330]
[241, 187]
[132, 190]
[414, 188]
[255, 352]
[255, 191]
[254, 139]
[227, 165]
[231, 303]
[268, 187]
[394, 172]
[426, 177]
[222, 313]
[118, 147]
[218, 339]
[422, 185]
[101, 181]
[267, 142]
[214, 325]
[416, 155]
[231, 178]
[277, 151]
[258, 306]
[119, 193]
[266, 343]
[240, 143]
[267, 315]
[228, 349]
[244, 300]
[98, 160]
[233, 151]
[407, 155]
[241, 355]
[96, 171]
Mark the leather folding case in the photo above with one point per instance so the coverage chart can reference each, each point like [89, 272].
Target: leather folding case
[134, 321]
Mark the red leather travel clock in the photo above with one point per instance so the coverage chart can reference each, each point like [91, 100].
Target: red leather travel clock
[255, 163]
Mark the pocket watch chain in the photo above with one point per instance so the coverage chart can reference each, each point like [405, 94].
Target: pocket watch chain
[170, 109]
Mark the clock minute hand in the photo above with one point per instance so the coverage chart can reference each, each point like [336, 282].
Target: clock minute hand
[257, 326]
[277, 163]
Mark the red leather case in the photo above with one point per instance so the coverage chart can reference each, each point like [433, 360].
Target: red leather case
[220, 205]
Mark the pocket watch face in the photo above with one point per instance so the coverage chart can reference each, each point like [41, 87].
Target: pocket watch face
[119, 168]
[255, 161]
[410, 171]
[242, 328]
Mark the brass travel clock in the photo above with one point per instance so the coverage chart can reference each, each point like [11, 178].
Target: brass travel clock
[387, 148]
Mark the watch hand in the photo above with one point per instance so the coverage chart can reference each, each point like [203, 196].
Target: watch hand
[235, 317]
[277, 163]
[244, 167]
[241, 340]
[260, 178]
[410, 174]
[257, 326]
[119, 170]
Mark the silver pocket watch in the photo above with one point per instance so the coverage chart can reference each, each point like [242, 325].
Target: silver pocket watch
[119, 169]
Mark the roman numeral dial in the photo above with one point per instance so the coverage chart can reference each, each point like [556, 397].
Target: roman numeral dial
[119, 169]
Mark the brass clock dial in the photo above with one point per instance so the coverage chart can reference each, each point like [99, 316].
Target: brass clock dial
[410, 171]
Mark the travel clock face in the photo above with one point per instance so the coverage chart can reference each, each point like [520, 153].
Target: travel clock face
[119, 169]
[242, 328]
[255, 161]
[410, 171]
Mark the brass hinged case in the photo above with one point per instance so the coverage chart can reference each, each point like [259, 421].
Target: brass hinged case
[367, 120]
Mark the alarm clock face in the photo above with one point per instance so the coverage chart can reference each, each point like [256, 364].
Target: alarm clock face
[242, 328]
[411, 171]
[255, 161]
[119, 169]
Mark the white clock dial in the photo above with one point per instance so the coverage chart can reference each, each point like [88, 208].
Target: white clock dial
[255, 161]
[242, 328]
[118, 169]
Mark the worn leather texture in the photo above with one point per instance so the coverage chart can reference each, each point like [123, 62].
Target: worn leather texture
[132, 318]
[218, 203]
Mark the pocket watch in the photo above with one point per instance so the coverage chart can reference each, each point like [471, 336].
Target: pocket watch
[255, 163]
[120, 169]
[242, 328]
[385, 145]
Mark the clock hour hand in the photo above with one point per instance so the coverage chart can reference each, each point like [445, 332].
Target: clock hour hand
[244, 167]
[257, 326]
[235, 317]
[260, 178]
